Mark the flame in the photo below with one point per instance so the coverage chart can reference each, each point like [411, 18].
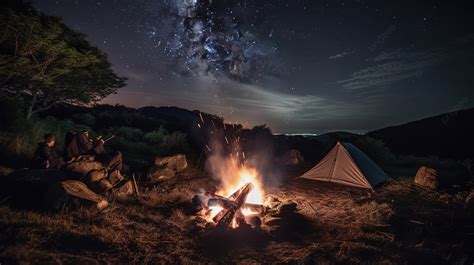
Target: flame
[233, 175]
[248, 211]
[214, 211]
[244, 175]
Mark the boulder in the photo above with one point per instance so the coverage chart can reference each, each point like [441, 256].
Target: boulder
[293, 158]
[102, 186]
[287, 208]
[72, 193]
[115, 177]
[26, 188]
[160, 174]
[125, 189]
[48, 189]
[84, 167]
[96, 175]
[177, 163]
[470, 201]
[427, 177]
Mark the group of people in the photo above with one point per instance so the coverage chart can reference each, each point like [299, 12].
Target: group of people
[76, 146]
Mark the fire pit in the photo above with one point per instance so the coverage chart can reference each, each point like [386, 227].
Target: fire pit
[240, 202]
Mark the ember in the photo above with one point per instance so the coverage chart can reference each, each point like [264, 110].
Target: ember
[240, 198]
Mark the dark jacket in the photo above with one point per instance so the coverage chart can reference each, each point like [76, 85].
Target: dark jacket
[46, 157]
[80, 144]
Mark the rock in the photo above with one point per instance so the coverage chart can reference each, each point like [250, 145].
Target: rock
[125, 189]
[102, 186]
[48, 189]
[177, 163]
[96, 175]
[272, 221]
[115, 177]
[427, 177]
[470, 201]
[72, 192]
[157, 174]
[27, 188]
[84, 167]
[253, 220]
[287, 208]
[293, 158]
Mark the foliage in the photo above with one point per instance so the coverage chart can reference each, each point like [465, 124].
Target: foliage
[43, 62]
[19, 144]
[140, 148]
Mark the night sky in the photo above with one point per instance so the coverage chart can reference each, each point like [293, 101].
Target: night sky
[299, 66]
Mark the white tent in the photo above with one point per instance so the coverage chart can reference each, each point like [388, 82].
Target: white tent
[348, 165]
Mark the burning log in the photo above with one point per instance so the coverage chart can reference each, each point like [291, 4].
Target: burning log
[226, 203]
[225, 217]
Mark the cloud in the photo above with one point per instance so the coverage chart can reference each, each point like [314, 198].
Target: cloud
[391, 67]
[342, 54]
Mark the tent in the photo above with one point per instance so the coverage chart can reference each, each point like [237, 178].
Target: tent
[348, 165]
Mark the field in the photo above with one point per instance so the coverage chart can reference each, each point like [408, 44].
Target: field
[399, 223]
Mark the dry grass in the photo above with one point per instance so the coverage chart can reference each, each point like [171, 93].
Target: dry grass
[399, 223]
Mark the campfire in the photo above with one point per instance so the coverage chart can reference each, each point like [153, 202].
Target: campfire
[239, 201]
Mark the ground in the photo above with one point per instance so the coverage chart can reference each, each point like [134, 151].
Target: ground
[398, 223]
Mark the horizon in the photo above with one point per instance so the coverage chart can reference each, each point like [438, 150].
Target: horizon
[352, 66]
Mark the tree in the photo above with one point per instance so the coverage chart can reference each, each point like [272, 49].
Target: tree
[44, 62]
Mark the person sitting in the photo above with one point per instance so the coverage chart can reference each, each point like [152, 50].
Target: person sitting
[45, 155]
[80, 144]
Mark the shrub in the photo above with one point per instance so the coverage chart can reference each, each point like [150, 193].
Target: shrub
[18, 146]
[126, 133]
[167, 142]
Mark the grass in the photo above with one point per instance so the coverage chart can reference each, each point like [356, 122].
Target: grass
[334, 225]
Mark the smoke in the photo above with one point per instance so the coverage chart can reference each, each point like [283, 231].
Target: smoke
[227, 161]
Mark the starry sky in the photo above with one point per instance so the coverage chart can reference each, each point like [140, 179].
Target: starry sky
[299, 66]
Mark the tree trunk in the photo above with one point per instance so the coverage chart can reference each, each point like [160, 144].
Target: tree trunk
[30, 108]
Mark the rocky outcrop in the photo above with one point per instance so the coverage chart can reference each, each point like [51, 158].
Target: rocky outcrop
[167, 167]
[177, 163]
[427, 177]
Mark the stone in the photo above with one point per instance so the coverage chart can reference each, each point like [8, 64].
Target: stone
[96, 175]
[293, 158]
[287, 208]
[160, 174]
[125, 189]
[470, 202]
[27, 188]
[427, 177]
[177, 163]
[72, 193]
[102, 186]
[115, 177]
[84, 167]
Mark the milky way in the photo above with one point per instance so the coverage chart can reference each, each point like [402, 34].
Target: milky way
[296, 65]
[217, 38]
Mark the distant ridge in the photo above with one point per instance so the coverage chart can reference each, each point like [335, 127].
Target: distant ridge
[449, 135]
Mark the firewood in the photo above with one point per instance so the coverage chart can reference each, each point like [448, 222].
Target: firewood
[225, 217]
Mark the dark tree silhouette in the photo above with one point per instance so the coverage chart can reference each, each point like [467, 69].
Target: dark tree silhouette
[44, 62]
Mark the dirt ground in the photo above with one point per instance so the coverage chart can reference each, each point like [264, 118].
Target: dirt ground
[397, 224]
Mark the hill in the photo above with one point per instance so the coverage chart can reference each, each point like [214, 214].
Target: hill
[447, 135]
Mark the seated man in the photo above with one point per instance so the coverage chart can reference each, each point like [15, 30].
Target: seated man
[45, 155]
[80, 144]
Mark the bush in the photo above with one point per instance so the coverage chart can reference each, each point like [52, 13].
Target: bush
[126, 133]
[19, 146]
[168, 142]
[85, 118]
